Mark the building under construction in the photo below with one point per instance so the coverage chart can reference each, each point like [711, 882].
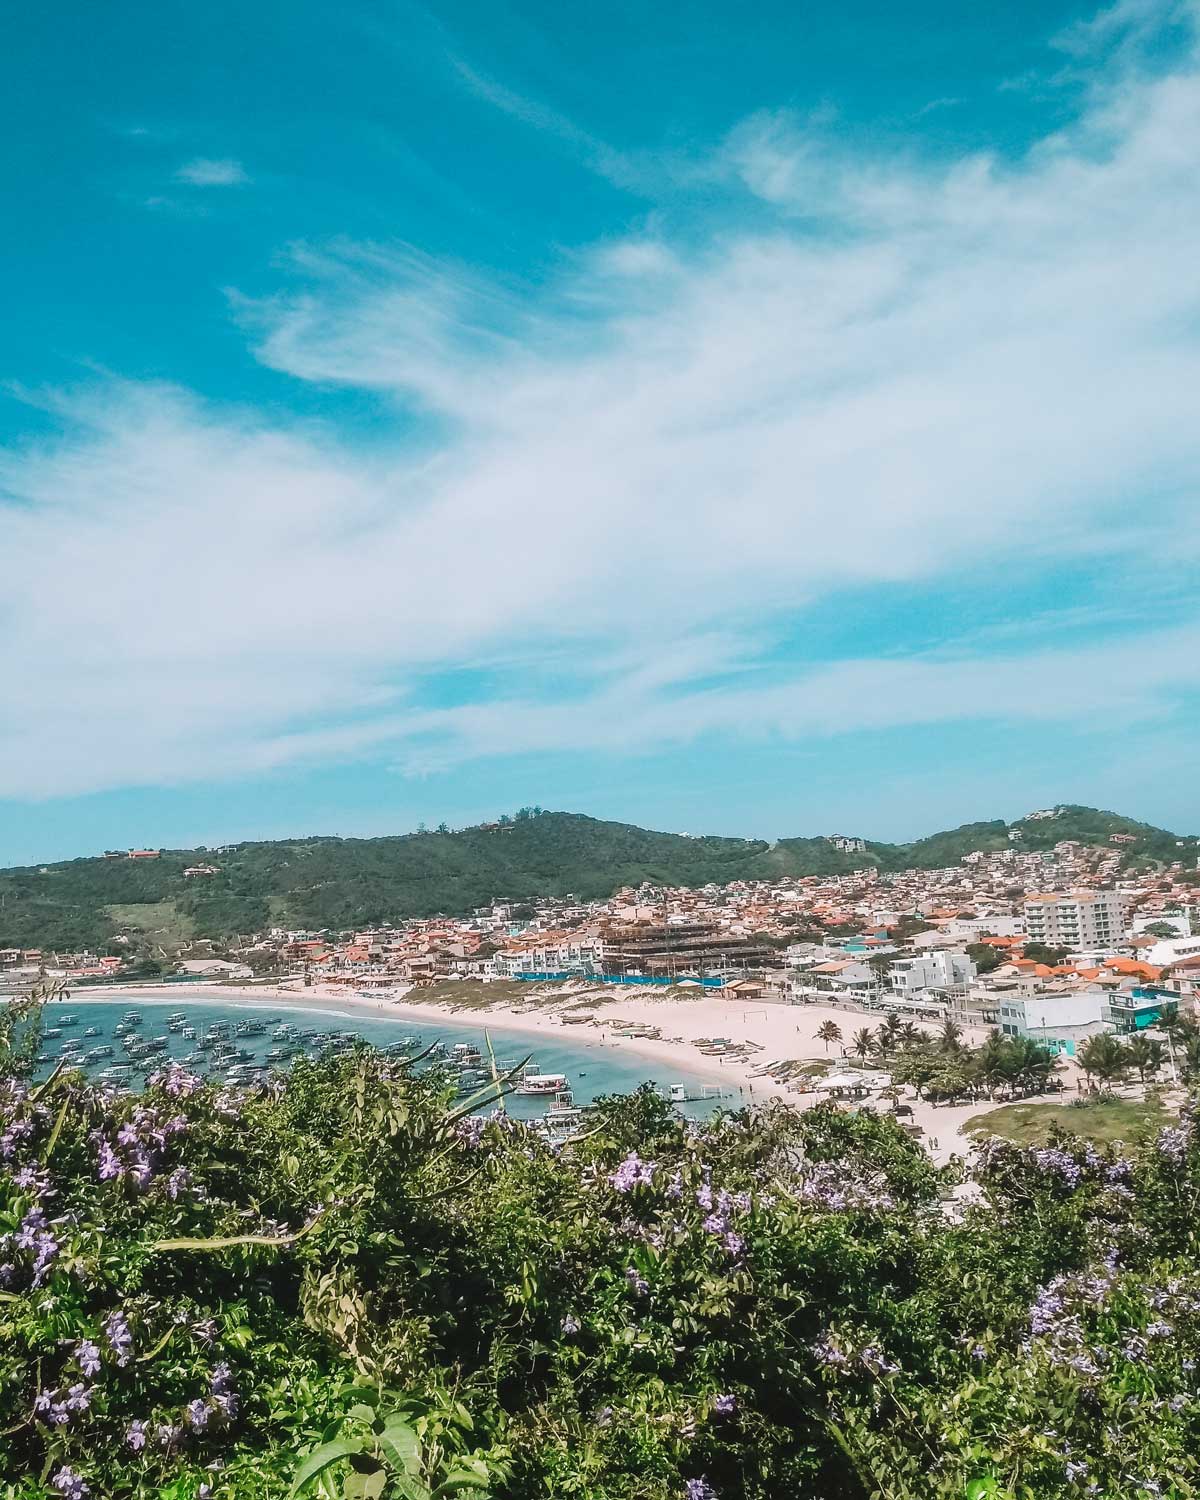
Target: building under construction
[678, 949]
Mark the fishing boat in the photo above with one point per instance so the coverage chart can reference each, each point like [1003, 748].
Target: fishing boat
[188, 1033]
[132, 1018]
[92, 1031]
[68, 1020]
[539, 1085]
[52, 1031]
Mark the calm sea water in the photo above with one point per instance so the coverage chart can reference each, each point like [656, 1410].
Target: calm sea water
[593, 1066]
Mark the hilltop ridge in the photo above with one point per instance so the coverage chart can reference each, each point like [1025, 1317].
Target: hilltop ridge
[329, 882]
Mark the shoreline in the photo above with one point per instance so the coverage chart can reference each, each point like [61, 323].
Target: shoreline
[431, 1015]
[778, 1032]
[732, 1075]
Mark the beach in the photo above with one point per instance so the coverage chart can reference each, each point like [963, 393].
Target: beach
[580, 1014]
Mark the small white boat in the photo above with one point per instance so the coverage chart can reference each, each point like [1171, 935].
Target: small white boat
[539, 1085]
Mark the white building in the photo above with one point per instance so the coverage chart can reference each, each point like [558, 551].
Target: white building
[971, 929]
[1060, 1021]
[1171, 950]
[942, 969]
[1076, 920]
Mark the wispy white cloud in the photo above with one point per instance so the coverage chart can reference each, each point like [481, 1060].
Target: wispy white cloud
[210, 172]
[621, 168]
[886, 372]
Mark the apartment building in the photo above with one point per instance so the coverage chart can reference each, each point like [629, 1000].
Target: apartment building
[1076, 920]
[943, 969]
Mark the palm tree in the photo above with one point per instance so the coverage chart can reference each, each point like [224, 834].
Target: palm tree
[951, 1038]
[1146, 1055]
[994, 1062]
[1032, 1063]
[911, 1034]
[863, 1041]
[1103, 1057]
[889, 1032]
[829, 1031]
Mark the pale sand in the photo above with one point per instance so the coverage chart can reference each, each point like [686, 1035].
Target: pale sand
[783, 1032]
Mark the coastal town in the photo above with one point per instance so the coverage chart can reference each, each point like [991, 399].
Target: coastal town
[1057, 945]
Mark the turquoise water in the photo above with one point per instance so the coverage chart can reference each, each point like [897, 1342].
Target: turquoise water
[592, 1065]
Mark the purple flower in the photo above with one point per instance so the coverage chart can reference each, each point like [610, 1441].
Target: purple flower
[570, 1324]
[829, 1354]
[141, 1171]
[32, 1225]
[46, 1248]
[79, 1398]
[875, 1361]
[221, 1379]
[633, 1172]
[136, 1436]
[198, 1413]
[734, 1243]
[70, 1485]
[88, 1356]
[704, 1197]
[724, 1406]
[109, 1165]
[120, 1340]
[1173, 1142]
[168, 1435]
[699, 1489]
[638, 1283]
[175, 1080]
[228, 1402]
[178, 1182]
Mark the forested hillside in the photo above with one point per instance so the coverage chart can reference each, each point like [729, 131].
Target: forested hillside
[341, 883]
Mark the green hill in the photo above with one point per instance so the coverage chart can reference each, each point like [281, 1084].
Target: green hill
[342, 883]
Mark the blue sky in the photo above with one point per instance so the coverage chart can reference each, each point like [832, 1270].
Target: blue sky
[760, 420]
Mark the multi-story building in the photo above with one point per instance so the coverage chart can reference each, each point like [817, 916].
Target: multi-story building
[941, 970]
[1075, 920]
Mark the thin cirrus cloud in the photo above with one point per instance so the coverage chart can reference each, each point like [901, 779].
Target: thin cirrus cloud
[206, 171]
[890, 375]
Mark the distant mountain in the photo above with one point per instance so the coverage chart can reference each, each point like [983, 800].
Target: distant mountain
[343, 883]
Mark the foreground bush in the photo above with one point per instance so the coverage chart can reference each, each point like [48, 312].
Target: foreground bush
[342, 1286]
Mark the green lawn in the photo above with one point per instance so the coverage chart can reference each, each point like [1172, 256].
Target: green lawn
[158, 922]
[1102, 1121]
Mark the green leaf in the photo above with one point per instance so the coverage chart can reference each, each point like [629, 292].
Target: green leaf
[365, 1486]
[402, 1446]
[224, 1242]
[323, 1458]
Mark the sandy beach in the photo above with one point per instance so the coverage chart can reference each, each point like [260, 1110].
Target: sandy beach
[779, 1032]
